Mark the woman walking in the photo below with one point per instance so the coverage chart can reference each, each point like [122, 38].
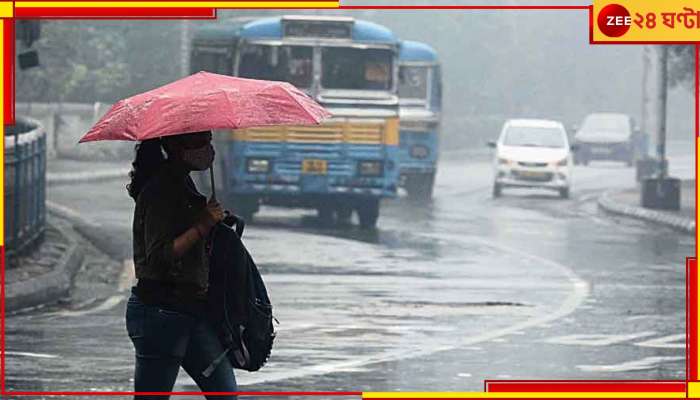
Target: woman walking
[166, 313]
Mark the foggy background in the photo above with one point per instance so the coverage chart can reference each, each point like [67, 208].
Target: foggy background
[497, 64]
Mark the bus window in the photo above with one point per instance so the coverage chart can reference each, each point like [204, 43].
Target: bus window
[436, 95]
[292, 64]
[413, 82]
[219, 63]
[360, 69]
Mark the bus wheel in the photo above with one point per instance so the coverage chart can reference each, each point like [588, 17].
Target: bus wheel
[368, 213]
[245, 206]
[325, 215]
[343, 213]
[420, 187]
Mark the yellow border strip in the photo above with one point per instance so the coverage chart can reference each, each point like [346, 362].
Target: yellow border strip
[693, 389]
[523, 395]
[6, 9]
[183, 4]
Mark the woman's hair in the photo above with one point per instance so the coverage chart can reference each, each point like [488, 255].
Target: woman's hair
[149, 158]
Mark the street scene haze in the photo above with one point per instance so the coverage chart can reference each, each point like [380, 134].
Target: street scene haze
[492, 198]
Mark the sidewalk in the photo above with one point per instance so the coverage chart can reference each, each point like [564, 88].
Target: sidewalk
[626, 202]
[63, 171]
[45, 274]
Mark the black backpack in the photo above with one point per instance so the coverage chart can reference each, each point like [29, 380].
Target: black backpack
[239, 307]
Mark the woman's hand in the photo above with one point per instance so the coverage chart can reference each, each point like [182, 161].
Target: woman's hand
[210, 216]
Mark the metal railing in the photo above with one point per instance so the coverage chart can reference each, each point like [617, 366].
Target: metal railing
[25, 185]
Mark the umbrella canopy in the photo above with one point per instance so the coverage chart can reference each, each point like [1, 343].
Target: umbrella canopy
[206, 101]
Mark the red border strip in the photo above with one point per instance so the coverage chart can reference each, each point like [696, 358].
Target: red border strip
[121, 13]
[2, 319]
[9, 71]
[512, 398]
[456, 7]
[697, 92]
[586, 386]
[96, 393]
[692, 319]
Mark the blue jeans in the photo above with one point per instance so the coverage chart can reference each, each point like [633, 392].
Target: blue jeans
[164, 340]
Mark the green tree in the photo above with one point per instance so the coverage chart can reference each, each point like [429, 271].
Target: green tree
[681, 69]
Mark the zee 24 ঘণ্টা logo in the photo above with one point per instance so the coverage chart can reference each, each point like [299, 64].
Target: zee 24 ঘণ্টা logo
[614, 20]
[668, 20]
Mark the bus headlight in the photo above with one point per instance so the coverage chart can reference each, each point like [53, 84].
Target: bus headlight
[419, 151]
[369, 168]
[258, 165]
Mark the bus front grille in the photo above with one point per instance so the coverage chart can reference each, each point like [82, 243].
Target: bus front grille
[327, 133]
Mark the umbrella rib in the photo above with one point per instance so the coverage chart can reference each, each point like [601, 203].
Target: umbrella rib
[295, 100]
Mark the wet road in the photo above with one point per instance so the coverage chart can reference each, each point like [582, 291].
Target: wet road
[440, 297]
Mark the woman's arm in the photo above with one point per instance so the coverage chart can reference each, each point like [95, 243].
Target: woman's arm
[210, 216]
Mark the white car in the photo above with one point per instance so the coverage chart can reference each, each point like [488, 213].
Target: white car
[532, 153]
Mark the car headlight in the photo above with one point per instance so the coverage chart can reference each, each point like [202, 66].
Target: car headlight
[258, 165]
[561, 163]
[504, 161]
[369, 168]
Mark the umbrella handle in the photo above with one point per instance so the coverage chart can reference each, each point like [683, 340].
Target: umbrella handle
[211, 177]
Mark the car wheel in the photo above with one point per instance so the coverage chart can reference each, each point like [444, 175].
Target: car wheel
[497, 189]
[564, 192]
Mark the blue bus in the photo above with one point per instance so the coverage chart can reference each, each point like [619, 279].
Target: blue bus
[420, 97]
[345, 165]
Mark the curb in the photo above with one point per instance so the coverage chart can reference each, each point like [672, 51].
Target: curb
[58, 178]
[657, 217]
[50, 287]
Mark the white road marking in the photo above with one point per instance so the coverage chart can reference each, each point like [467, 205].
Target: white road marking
[126, 280]
[597, 339]
[579, 291]
[635, 365]
[27, 354]
[107, 304]
[666, 342]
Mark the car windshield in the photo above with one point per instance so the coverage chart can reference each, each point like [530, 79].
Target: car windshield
[293, 64]
[605, 123]
[528, 136]
[358, 69]
[413, 82]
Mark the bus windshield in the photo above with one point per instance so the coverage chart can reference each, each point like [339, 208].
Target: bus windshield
[293, 64]
[413, 82]
[358, 69]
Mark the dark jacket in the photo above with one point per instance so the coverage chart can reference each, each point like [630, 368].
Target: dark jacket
[167, 206]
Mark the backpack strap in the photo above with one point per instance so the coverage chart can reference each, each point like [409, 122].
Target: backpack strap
[235, 222]
[210, 369]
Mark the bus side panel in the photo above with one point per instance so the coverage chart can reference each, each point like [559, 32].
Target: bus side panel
[412, 147]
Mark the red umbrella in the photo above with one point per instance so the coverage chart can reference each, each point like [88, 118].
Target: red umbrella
[206, 101]
[203, 102]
